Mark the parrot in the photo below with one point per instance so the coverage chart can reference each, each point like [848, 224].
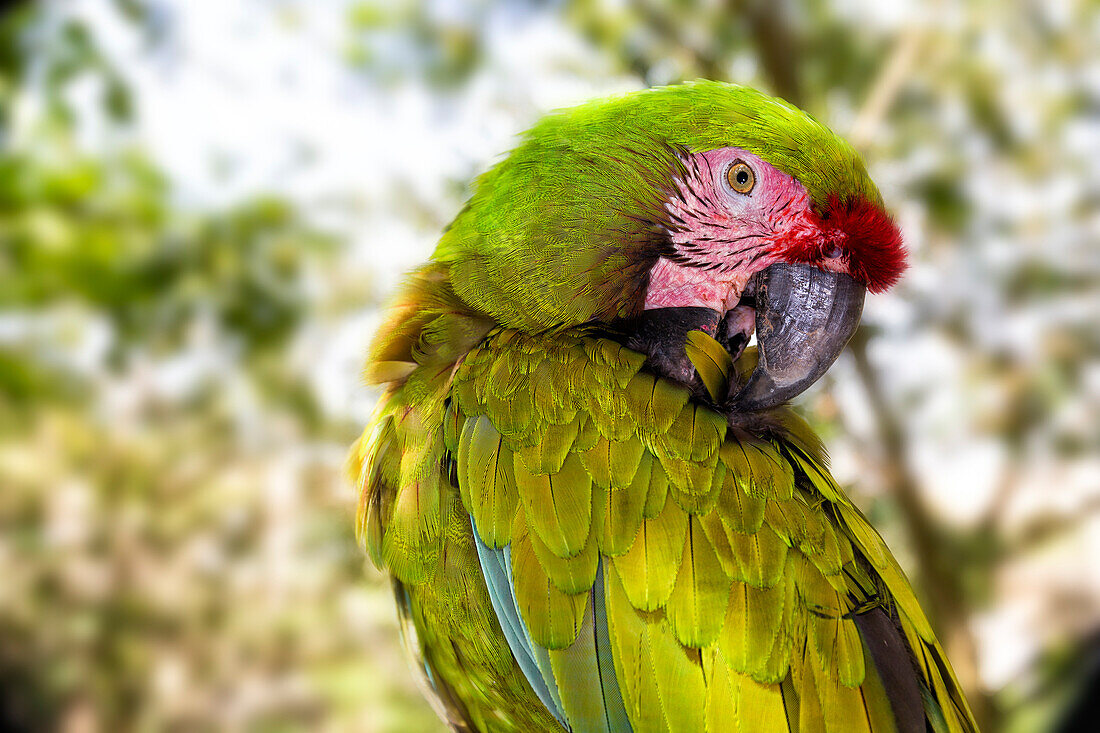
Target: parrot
[584, 480]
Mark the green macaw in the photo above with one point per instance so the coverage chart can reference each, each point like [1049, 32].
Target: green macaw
[596, 509]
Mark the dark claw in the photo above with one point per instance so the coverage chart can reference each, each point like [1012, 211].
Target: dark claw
[660, 334]
[735, 330]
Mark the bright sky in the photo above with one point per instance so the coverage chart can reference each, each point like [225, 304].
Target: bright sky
[246, 98]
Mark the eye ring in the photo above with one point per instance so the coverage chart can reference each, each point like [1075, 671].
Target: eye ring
[740, 177]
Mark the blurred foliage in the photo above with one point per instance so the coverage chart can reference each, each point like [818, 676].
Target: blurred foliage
[392, 41]
[176, 539]
[99, 234]
[176, 533]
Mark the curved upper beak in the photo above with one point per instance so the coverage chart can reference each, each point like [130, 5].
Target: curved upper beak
[804, 318]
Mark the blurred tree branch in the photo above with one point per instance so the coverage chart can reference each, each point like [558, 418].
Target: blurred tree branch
[663, 24]
[948, 607]
[886, 87]
[775, 41]
[1046, 527]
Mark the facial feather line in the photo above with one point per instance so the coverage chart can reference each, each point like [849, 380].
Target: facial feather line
[718, 238]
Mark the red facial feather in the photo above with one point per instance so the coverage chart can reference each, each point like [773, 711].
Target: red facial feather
[719, 238]
[873, 251]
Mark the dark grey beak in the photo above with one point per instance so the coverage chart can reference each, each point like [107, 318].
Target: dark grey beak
[804, 317]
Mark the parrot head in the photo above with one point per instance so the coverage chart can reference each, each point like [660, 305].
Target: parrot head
[703, 206]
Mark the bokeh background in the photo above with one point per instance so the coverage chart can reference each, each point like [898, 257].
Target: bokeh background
[204, 204]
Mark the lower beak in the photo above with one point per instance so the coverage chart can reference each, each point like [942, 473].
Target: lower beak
[804, 318]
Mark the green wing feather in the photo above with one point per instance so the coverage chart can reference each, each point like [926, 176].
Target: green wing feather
[701, 588]
[712, 363]
[655, 672]
[617, 515]
[553, 617]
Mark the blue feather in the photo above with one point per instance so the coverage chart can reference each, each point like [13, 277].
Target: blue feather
[540, 655]
[586, 669]
[496, 566]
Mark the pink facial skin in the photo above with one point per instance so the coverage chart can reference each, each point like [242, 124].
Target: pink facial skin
[722, 237]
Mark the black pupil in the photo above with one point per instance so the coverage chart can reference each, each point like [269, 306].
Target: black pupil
[742, 177]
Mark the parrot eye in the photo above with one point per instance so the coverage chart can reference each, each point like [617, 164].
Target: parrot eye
[833, 252]
[740, 177]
